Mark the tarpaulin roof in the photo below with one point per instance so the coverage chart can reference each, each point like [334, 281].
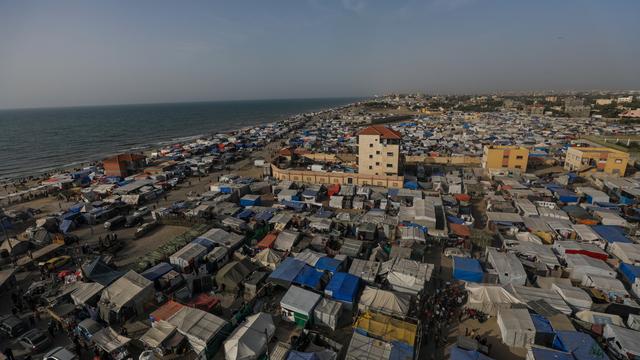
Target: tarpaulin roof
[250, 339]
[611, 233]
[461, 354]
[204, 302]
[98, 271]
[384, 301]
[198, 326]
[489, 298]
[343, 287]
[156, 335]
[581, 345]
[362, 347]
[300, 300]
[630, 272]
[85, 291]
[267, 241]
[157, 271]
[541, 324]
[165, 311]
[109, 340]
[549, 354]
[328, 264]
[460, 230]
[268, 258]
[309, 277]
[467, 269]
[454, 220]
[287, 271]
[386, 327]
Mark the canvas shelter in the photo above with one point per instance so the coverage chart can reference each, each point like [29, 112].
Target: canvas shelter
[490, 299]
[189, 257]
[574, 296]
[343, 287]
[298, 305]
[286, 239]
[286, 272]
[623, 341]
[408, 276]
[86, 292]
[199, 327]
[528, 295]
[328, 313]
[250, 339]
[365, 269]
[109, 340]
[599, 318]
[610, 286]
[158, 334]
[581, 265]
[130, 293]
[516, 327]
[384, 301]
[233, 274]
[508, 267]
[268, 258]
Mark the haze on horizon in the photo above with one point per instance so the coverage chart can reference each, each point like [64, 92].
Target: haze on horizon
[73, 53]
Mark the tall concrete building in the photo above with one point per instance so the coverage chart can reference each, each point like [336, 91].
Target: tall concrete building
[596, 159]
[575, 107]
[498, 158]
[379, 151]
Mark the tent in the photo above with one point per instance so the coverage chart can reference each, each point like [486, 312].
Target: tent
[516, 327]
[386, 328]
[109, 340]
[611, 233]
[530, 294]
[408, 276]
[362, 347]
[250, 339]
[267, 241]
[626, 252]
[574, 296]
[200, 327]
[165, 311]
[329, 264]
[311, 278]
[508, 267]
[598, 318]
[189, 257]
[541, 353]
[629, 272]
[467, 269]
[489, 298]
[158, 334]
[298, 305]
[157, 271]
[233, 274]
[268, 258]
[132, 291]
[85, 292]
[309, 256]
[384, 301]
[458, 353]
[610, 286]
[343, 287]
[286, 272]
[581, 265]
[580, 345]
[220, 237]
[625, 342]
[286, 240]
[97, 270]
[365, 269]
[328, 313]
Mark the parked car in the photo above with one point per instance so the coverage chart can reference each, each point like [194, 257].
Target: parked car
[34, 340]
[86, 328]
[133, 220]
[141, 212]
[57, 262]
[12, 326]
[145, 229]
[115, 222]
[60, 353]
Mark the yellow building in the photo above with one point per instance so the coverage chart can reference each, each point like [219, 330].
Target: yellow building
[598, 159]
[505, 158]
[379, 151]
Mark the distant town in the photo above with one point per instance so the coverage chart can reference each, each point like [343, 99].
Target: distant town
[404, 226]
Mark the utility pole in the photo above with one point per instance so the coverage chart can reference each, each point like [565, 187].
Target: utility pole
[4, 231]
[266, 342]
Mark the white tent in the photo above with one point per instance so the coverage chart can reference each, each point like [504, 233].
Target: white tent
[625, 342]
[109, 340]
[598, 318]
[268, 258]
[286, 240]
[300, 301]
[200, 327]
[367, 270]
[249, 340]
[327, 313]
[309, 256]
[608, 285]
[130, 290]
[85, 291]
[365, 348]
[574, 296]
[579, 265]
[508, 267]
[627, 252]
[585, 233]
[527, 294]
[189, 256]
[489, 298]
[516, 327]
[408, 276]
[157, 334]
[388, 302]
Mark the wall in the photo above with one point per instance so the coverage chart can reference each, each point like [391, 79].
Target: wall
[444, 160]
[322, 177]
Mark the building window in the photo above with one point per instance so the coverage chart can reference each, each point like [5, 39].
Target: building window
[618, 161]
[518, 167]
[505, 156]
[377, 152]
[377, 163]
[519, 157]
[389, 165]
[370, 156]
[370, 145]
[370, 167]
[389, 154]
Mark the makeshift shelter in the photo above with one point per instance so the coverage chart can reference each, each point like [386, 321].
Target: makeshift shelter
[125, 297]
[626, 252]
[467, 269]
[611, 234]
[98, 271]
[328, 313]
[343, 287]
[324, 354]
[564, 247]
[188, 258]
[268, 258]
[408, 276]
[204, 302]
[298, 305]
[386, 328]
[110, 341]
[508, 267]
[579, 344]
[311, 278]
[574, 296]
[165, 311]
[250, 339]
[286, 240]
[516, 327]
[384, 301]
[156, 272]
[541, 353]
[528, 295]
[624, 342]
[267, 241]
[309, 256]
[329, 264]
[490, 298]
[365, 269]
[629, 272]
[86, 293]
[233, 274]
[286, 272]
[610, 286]
[200, 327]
[220, 237]
[158, 335]
[599, 318]
[581, 265]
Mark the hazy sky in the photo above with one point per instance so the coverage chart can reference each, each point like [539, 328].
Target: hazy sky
[66, 53]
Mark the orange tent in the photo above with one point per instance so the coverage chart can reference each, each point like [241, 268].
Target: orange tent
[166, 311]
[267, 241]
[460, 230]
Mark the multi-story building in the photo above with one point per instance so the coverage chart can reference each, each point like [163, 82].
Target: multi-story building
[625, 99]
[379, 151]
[124, 165]
[497, 158]
[596, 159]
[575, 107]
[603, 102]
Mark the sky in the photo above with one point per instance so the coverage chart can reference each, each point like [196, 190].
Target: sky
[88, 52]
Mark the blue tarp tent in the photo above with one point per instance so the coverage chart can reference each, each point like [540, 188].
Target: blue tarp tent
[401, 351]
[461, 354]
[326, 263]
[66, 226]
[467, 269]
[157, 271]
[611, 233]
[581, 345]
[295, 205]
[299, 355]
[629, 272]
[343, 287]
[540, 353]
[541, 324]
[455, 220]
[323, 213]
[411, 185]
[309, 277]
[287, 271]
[245, 214]
[204, 242]
[265, 215]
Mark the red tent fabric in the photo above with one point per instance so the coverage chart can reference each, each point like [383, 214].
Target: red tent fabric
[460, 230]
[267, 241]
[165, 311]
[463, 197]
[204, 302]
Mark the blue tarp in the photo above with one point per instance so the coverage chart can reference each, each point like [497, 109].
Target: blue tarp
[287, 271]
[310, 193]
[611, 233]
[298, 355]
[157, 271]
[461, 354]
[326, 263]
[245, 214]
[249, 202]
[541, 324]
[309, 277]
[343, 287]
[66, 226]
[401, 351]
[629, 272]
[550, 354]
[204, 242]
[455, 220]
[264, 215]
[581, 345]
[325, 214]
[411, 185]
[467, 269]
[296, 205]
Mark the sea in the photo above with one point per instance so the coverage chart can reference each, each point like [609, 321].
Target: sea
[37, 141]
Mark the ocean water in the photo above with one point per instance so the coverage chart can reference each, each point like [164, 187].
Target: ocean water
[33, 141]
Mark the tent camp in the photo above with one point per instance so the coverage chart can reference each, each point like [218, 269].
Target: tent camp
[286, 240]
[467, 269]
[268, 258]
[580, 265]
[490, 298]
[343, 287]
[286, 272]
[386, 302]
[86, 292]
[249, 340]
[408, 276]
[508, 267]
[528, 294]
[574, 296]
[298, 305]
[125, 297]
[365, 269]
[622, 341]
[328, 313]
[158, 335]
[200, 327]
[516, 327]
[233, 274]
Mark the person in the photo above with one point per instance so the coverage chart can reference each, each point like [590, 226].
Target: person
[9, 354]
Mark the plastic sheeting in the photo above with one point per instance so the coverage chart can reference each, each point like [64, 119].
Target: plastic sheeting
[408, 276]
[467, 270]
[159, 333]
[384, 301]
[198, 326]
[574, 296]
[343, 287]
[528, 294]
[300, 300]
[580, 345]
[287, 271]
[508, 267]
[387, 328]
[328, 313]
[249, 340]
[516, 327]
[624, 341]
[489, 298]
